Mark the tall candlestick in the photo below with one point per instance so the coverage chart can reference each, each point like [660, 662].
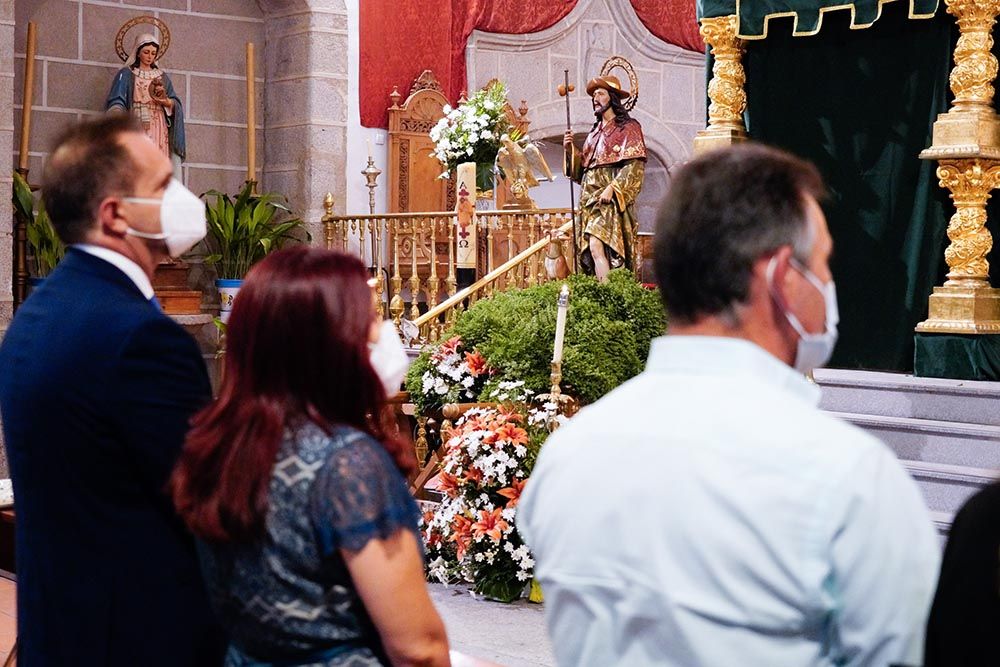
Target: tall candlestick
[29, 92]
[368, 142]
[251, 116]
[563, 304]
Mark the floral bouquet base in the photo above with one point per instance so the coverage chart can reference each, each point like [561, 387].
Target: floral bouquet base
[488, 457]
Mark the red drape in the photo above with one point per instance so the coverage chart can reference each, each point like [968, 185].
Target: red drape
[399, 40]
[673, 21]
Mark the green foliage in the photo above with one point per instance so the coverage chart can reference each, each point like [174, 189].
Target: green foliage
[45, 247]
[608, 331]
[242, 231]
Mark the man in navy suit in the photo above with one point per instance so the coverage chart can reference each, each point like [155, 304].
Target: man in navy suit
[97, 387]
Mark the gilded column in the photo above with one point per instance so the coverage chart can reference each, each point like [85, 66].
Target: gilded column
[328, 221]
[728, 99]
[966, 145]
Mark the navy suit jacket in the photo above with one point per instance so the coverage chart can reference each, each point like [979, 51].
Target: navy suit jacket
[97, 387]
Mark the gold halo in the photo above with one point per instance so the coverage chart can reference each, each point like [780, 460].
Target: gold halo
[619, 62]
[139, 20]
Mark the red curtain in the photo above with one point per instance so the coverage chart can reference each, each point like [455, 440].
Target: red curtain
[399, 40]
[673, 21]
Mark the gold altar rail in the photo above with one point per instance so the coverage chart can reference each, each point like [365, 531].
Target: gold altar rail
[520, 271]
[413, 255]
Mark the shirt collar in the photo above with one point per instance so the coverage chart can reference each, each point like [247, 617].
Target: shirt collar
[718, 355]
[123, 263]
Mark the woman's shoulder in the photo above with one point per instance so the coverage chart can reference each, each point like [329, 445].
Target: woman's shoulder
[339, 442]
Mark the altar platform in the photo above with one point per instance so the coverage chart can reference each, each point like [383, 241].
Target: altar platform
[945, 432]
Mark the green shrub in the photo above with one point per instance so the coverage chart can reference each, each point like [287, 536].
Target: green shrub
[608, 331]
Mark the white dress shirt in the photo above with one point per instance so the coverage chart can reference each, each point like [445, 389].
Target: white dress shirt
[707, 513]
[126, 265]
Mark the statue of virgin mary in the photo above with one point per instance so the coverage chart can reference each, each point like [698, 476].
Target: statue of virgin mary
[145, 90]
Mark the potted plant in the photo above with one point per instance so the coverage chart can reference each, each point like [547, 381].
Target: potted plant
[241, 232]
[45, 248]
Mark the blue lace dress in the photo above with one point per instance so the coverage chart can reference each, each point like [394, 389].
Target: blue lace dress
[288, 600]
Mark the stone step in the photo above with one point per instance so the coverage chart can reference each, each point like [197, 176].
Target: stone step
[945, 487]
[933, 441]
[899, 395]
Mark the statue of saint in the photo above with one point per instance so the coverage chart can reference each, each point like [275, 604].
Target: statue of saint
[145, 90]
[610, 172]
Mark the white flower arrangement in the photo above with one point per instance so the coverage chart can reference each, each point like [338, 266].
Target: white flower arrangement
[471, 133]
[488, 458]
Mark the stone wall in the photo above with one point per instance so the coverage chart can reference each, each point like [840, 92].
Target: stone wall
[671, 105]
[6, 142]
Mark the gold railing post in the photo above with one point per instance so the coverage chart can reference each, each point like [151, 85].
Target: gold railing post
[328, 220]
[966, 145]
[415, 226]
[532, 277]
[725, 90]
[433, 282]
[396, 306]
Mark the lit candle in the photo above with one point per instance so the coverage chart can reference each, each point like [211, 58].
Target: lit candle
[563, 305]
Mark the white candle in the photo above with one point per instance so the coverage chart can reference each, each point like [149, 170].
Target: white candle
[369, 143]
[563, 304]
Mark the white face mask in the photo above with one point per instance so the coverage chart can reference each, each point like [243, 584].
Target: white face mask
[388, 358]
[813, 349]
[182, 218]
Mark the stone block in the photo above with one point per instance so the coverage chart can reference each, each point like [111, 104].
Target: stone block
[289, 183]
[650, 97]
[215, 144]
[288, 101]
[79, 86]
[7, 10]
[6, 49]
[287, 147]
[212, 45]
[202, 179]
[328, 53]
[222, 100]
[101, 24]
[242, 8]
[289, 57]
[45, 127]
[487, 67]
[154, 5]
[328, 100]
[526, 76]
[568, 45]
[679, 93]
[57, 28]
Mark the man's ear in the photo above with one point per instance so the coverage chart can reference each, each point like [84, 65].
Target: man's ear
[110, 219]
[778, 265]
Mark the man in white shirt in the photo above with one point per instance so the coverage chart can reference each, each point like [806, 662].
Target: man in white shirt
[707, 513]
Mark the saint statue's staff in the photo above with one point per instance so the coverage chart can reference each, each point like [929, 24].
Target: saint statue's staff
[564, 90]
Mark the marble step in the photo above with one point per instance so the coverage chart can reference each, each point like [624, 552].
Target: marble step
[898, 395]
[934, 441]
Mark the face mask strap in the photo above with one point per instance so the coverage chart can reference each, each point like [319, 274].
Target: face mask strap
[790, 316]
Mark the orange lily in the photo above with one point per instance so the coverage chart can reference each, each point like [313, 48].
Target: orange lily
[513, 492]
[512, 433]
[461, 534]
[473, 474]
[448, 484]
[476, 362]
[490, 523]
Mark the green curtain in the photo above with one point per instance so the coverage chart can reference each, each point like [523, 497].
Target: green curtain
[860, 104]
[808, 14]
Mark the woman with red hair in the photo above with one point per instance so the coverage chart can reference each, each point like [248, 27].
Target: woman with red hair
[292, 479]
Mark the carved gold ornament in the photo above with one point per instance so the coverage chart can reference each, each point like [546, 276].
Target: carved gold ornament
[970, 183]
[975, 65]
[140, 20]
[728, 98]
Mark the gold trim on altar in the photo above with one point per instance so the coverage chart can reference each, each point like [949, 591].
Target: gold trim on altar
[819, 23]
